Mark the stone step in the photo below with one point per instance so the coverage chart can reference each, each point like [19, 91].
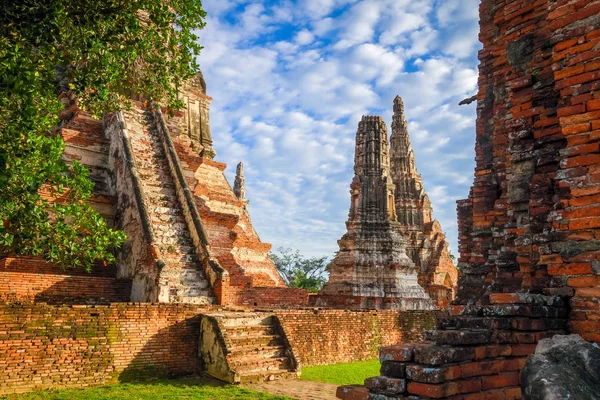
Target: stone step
[247, 319]
[180, 258]
[159, 187]
[252, 362]
[250, 330]
[183, 274]
[167, 219]
[277, 350]
[170, 249]
[256, 376]
[256, 340]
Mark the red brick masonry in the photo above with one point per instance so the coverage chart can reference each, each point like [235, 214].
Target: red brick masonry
[328, 336]
[530, 229]
[30, 280]
[44, 346]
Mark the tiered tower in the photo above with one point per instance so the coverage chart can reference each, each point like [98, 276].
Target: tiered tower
[412, 203]
[426, 243]
[372, 269]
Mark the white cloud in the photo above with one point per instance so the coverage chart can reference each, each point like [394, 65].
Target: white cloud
[304, 37]
[291, 81]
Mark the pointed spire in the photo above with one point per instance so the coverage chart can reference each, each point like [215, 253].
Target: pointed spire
[399, 124]
[239, 186]
[412, 205]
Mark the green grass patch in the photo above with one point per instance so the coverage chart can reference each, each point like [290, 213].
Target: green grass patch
[342, 373]
[185, 388]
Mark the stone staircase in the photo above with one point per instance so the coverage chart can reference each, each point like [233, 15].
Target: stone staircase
[252, 345]
[182, 279]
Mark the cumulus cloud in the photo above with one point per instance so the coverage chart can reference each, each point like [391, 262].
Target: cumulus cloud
[291, 79]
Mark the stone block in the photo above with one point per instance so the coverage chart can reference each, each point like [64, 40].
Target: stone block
[458, 337]
[386, 385]
[427, 374]
[438, 355]
[393, 369]
[352, 392]
[402, 352]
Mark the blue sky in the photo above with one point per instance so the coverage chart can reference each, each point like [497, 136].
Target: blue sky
[291, 79]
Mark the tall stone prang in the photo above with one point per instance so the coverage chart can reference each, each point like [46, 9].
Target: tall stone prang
[426, 243]
[371, 269]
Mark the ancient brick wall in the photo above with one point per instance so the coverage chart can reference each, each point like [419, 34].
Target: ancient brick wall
[531, 221]
[29, 280]
[529, 248]
[329, 336]
[572, 255]
[47, 347]
[271, 297]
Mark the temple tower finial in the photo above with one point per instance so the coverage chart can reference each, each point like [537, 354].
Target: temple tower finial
[239, 186]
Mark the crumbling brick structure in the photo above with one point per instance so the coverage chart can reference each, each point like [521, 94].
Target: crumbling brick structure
[529, 248]
[189, 235]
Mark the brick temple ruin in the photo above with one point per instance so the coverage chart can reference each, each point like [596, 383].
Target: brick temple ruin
[529, 248]
[392, 248]
[193, 268]
[208, 299]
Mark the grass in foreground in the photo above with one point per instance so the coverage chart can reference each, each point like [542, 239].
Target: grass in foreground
[342, 373]
[198, 388]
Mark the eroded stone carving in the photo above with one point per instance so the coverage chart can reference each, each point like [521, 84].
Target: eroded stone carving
[195, 119]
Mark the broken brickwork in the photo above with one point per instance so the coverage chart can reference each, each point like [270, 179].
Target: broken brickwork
[426, 243]
[528, 232]
[371, 269]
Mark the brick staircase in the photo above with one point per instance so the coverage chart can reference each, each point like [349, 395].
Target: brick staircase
[477, 353]
[182, 279]
[254, 347]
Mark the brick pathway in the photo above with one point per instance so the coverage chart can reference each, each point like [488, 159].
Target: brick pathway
[304, 390]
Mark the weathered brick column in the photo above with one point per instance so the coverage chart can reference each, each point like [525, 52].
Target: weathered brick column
[530, 229]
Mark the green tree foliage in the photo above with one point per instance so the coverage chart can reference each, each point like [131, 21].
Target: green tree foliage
[300, 272]
[104, 51]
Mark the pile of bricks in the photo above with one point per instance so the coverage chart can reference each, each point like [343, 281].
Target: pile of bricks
[477, 353]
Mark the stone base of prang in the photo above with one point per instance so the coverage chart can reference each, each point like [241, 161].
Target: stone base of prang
[370, 302]
[477, 353]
